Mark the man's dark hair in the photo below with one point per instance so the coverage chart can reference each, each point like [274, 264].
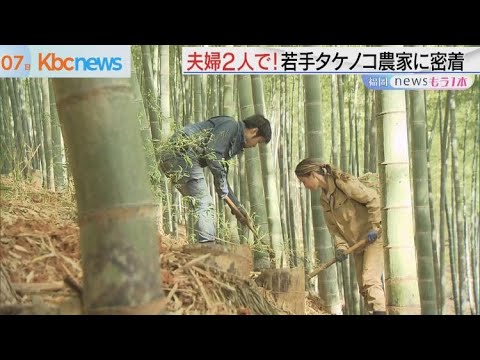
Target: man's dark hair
[263, 125]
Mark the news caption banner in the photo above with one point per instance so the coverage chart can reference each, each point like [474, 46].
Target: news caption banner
[65, 61]
[382, 68]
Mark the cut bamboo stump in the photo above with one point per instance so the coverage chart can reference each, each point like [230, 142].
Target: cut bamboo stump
[287, 287]
[236, 259]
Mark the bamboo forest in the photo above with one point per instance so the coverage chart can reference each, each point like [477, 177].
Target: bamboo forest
[248, 194]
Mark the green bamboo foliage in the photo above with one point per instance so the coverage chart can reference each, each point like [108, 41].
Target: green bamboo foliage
[462, 269]
[143, 124]
[118, 233]
[423, 235]
[269, 183]
[327, 279]
[401, 286]
[57, 148]
[254, 179]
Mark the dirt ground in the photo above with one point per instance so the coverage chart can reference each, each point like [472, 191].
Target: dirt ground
[39, 248]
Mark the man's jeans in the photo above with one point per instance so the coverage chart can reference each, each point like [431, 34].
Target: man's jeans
[191, 182]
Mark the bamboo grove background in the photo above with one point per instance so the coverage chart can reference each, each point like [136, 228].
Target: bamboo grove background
[431, 213]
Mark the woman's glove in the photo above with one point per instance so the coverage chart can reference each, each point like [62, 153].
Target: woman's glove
[340, 255]
[372, 236]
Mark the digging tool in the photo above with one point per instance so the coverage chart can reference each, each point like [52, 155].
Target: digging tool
[334, 260]
[241, 217]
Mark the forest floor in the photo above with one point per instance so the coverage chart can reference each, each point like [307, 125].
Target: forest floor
[39, 248]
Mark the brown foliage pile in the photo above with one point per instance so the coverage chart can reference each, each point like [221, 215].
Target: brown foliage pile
[39, 247]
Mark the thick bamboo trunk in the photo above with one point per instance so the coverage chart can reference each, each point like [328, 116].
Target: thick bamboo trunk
[269, 184]
[462, 267]
[58, 169]
[327, 280]
[262, 254]
[334, 101]
[229, 110]
[401, 285]
[343, 140]
[116, 211]
[366, 134]
[47, 134]
[423, 235]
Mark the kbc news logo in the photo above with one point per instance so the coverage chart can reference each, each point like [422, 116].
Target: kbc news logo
[50, 61]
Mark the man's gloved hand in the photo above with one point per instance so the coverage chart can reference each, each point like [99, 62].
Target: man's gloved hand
[372, 236]
[340, 255]
[246, 218]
